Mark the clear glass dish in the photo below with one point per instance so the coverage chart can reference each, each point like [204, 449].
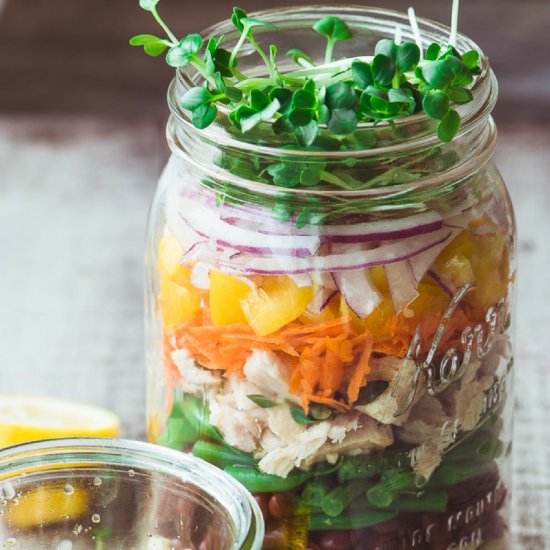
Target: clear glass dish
[99, 494]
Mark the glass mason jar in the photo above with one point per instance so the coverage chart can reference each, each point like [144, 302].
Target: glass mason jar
[341, 346]
[94, 494]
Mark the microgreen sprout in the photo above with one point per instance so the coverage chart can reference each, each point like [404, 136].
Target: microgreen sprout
[398, 80]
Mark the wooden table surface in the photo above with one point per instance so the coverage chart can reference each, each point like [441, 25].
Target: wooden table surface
[81, 145]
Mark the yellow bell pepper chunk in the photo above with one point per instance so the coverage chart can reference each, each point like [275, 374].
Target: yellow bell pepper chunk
[169, 262]
[491, 267]
[278, 302]
[226, 293]
[179, 300]
[431, 299]
[330, 312]
[177, 303]
[481, 261]
[377, 321]
[379, 279]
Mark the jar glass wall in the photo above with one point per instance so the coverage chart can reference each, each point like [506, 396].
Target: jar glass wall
[343, 350]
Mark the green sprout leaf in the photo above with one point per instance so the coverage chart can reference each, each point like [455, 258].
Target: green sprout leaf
[399, 95]
[342, 121]
[221, 61]
[195, 98]
[182, 54]
[152, 45]
[334, 29]
[438, 74]
[433, 51]
[262, 401]
[407, 57]
[436, 105]
[284, 96]
[142, 39]
[449, 126]
[248, 118]
[460, 96]
[306, 135]
[383, 70]
[300, 417]
[471, 59]
[148, 5]
[341, 96]
[237, 17]
[297, 54]
[204, 115]
[361, 73]
[386, 47]
[258, 100]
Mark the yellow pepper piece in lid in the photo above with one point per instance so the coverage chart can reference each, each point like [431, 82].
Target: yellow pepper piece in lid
[45, 505]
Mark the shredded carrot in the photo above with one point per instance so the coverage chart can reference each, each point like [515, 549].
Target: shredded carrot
[358, 378]
[328, 362]
[333, 403]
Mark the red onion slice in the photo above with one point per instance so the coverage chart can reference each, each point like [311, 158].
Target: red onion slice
[205, 223]
[420, 263]
[358, 290]
[440, 283]
[200, 275]
[402, 284]
[388, 253]
[321, 299]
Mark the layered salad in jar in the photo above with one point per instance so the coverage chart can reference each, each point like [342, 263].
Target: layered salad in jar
[335, 392]
[347, 364]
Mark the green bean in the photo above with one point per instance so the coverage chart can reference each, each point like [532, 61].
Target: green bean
[180, 431]
[481, 446]
[454, 473]
[220, 455]
[430, 501]
[258, 482]
[335, 502]
[197, 414]
[315, 491]
[384, 493]
[361, 466]
[358, 518]
[357, 467]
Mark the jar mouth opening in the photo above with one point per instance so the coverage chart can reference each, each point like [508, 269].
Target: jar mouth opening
[379, 21]
[42, 457]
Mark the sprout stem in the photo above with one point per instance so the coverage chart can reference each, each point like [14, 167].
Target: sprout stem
[415, 30]
[164, 26]
[454, 23]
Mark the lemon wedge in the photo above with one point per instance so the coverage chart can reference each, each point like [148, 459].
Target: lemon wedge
[29, 418]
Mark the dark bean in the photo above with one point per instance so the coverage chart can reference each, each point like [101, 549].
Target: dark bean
[275, 539]
[335, 540]
[263, 502]
[312, 546]
[280, 506]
